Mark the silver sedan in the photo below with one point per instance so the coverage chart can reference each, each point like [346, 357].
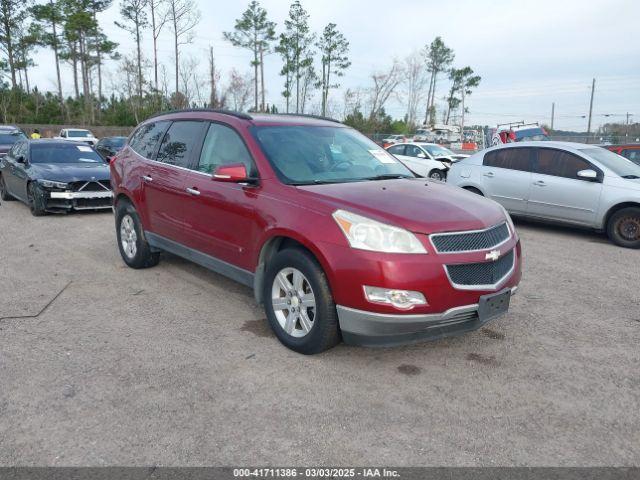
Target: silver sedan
[564, 182]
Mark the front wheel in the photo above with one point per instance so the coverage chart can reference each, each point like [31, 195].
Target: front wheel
[436, 174]
[299, 304]
[4, 193]
[134, 249]
[35, 199]
[623, 227]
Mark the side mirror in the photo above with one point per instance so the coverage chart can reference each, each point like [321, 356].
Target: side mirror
[422, 155]
[588, 174]
[234, 173]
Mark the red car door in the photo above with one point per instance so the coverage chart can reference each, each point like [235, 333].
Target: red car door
[221, 218]
[164, 179]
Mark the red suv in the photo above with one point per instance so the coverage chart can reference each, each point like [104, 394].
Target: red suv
[335, 236]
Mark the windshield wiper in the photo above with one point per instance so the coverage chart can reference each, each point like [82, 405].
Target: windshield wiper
[389, 176]
[631, 177]
[323, 182]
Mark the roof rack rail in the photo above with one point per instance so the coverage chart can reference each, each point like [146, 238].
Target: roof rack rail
[308, 115]
[243, 116]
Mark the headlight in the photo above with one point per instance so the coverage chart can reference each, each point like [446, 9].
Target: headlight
[509, 220]
[366, 234]
[52, 184]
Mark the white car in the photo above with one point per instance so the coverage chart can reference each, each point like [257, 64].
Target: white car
[572, 183]
[80, 135]
[425, 159]
[394, 139]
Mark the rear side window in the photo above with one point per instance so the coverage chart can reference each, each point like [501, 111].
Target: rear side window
[145, 140]
[509, 158]
[396, 150]
[560, 163]
[223, 146]
[179, 143]
[632, 154]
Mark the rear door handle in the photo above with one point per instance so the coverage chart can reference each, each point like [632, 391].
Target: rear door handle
[489, 174]
[193, 191]
[540, 183]
[147, 178]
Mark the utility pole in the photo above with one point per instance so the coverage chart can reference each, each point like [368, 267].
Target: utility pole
[626, 132]
[593, 87]
[553, 111]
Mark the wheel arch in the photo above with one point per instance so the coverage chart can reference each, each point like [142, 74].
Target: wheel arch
[617, 207]
[277, 242]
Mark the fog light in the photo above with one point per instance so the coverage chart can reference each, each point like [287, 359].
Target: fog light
[402, 299]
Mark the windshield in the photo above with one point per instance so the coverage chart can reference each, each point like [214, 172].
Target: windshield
[438, 151]
[9, 138]
[79, 133]
[63, 153]
[118, 141]
[304, 155]
[617, 163]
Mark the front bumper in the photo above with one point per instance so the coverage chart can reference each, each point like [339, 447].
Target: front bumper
[360, 327]
[84, 200]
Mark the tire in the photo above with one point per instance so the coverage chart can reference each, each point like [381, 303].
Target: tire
[436, 174]
[4, 193]
[311, 329]
[35, 199]
[474, 190]
[135, 250]
[623, 228]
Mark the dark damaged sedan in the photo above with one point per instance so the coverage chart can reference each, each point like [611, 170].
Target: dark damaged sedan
[55, 176]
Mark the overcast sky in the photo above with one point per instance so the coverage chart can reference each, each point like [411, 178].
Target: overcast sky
[529, 53]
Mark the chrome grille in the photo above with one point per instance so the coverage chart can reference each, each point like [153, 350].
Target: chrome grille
[485, 274]
[471, 241]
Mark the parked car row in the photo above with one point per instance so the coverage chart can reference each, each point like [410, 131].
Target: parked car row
[338, 238]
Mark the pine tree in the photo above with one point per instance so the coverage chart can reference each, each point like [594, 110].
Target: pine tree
[254, 32]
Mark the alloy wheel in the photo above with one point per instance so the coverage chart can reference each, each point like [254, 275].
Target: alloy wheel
[128, 236]
[293, 301]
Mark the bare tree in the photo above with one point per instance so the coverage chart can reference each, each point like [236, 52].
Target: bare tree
[183, 16]
[192, 82]
[415, 81]
[384, 85]
[215, 100]
[159, 17]
[239, 90]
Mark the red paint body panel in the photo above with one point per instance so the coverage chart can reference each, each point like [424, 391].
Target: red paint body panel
[233, 222]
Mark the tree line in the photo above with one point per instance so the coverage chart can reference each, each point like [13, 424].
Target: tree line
[312, 64]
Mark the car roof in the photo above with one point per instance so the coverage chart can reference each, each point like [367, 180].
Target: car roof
[423, 144]
[53, 141]
[9, 128]
[572, 146]
[261, 119]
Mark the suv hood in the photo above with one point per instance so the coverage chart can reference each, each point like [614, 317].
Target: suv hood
[419, 205]
[70, 172]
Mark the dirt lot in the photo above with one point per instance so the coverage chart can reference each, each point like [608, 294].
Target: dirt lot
[104, 365]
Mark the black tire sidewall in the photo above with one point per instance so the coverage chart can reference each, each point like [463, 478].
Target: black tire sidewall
[612, 230]
[143, 257]
[325, 332]
[4, 193]
[35, 200]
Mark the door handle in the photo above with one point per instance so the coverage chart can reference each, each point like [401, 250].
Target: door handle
[489, 174]
[193, 191]
[540, 183]
[147, 178]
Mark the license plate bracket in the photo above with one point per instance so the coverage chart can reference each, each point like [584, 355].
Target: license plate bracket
[494, 305]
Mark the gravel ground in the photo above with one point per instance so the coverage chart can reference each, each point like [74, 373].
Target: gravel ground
[104, 365]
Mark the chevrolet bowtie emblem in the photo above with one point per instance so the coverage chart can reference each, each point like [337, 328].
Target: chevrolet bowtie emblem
[492, 255]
